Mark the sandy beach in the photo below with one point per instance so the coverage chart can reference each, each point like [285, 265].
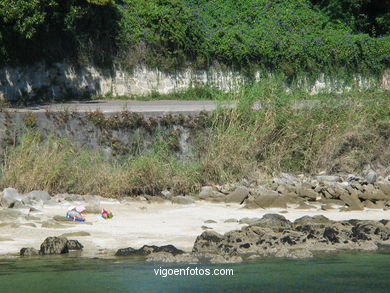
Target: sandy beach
[137, 223]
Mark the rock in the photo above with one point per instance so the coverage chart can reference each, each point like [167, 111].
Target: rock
[126, 251]
[270, 201]
[206, 192]
[305, 190]
[28, 251]
[384, 187]
[74, 245]
[75, 234]
[371, 193]
[273, 220]
[238, 195]
[38, 195]
[353, 202]
[148, 249]
[370, 205]
[210, 222]
[183, 200]
[10, 196]
[54, 245]
[206, 228]
[231, 220]
[207, 242]
[165, 257]
[327, 178]
[307, 220]
[249, 221]
[371, 176]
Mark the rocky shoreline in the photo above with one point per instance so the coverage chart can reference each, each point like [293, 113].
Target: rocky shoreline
[272, 235]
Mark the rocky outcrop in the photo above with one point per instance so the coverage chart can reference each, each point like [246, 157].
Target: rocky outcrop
[29, 251]
[59, 245]
[148, 249]
[273, 235]
[54, 245]
[350, 192]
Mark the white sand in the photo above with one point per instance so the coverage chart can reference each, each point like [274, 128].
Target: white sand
[138, 223]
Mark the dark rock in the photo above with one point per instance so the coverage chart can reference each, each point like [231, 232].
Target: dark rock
[54, 245]
[29, 251]
[331, 235]
[148, 249]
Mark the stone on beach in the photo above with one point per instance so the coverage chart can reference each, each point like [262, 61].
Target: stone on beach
[10, 196]
[148, 249]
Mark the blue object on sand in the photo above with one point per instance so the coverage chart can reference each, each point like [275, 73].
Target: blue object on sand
[69, 217]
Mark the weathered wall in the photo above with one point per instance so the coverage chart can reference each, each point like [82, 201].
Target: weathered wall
[113, 133]
[62, 81]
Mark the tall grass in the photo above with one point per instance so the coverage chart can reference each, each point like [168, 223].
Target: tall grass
[337, 134]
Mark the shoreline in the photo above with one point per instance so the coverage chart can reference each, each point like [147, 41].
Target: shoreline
[138, 223]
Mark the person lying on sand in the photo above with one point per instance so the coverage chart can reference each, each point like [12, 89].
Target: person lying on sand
[76, 213]
[106, 214]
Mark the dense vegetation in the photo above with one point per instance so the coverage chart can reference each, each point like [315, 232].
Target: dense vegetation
[239, 143]
[288, 36]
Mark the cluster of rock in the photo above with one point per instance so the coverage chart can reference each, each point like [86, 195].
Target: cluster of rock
[11, 198]
[53, 245]
[274, 235]
[349, 192]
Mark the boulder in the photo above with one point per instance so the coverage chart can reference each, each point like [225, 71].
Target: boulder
[38, 195]
[270, 201]
[207, 242]
[238, 195]
[148, 249]
[182, 200]
[10, 196]
[371, 176]
[353, 202]
[28, 251]
[54, 245]
[384, 187]
[305, 190]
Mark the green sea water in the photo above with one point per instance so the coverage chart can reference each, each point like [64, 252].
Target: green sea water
[365, 273]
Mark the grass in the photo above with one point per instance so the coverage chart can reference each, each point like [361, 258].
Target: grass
[240, 143]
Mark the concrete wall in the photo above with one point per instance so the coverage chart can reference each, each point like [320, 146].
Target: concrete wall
[62, 81]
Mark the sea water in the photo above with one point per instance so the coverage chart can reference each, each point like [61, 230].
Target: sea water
[360, 272]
